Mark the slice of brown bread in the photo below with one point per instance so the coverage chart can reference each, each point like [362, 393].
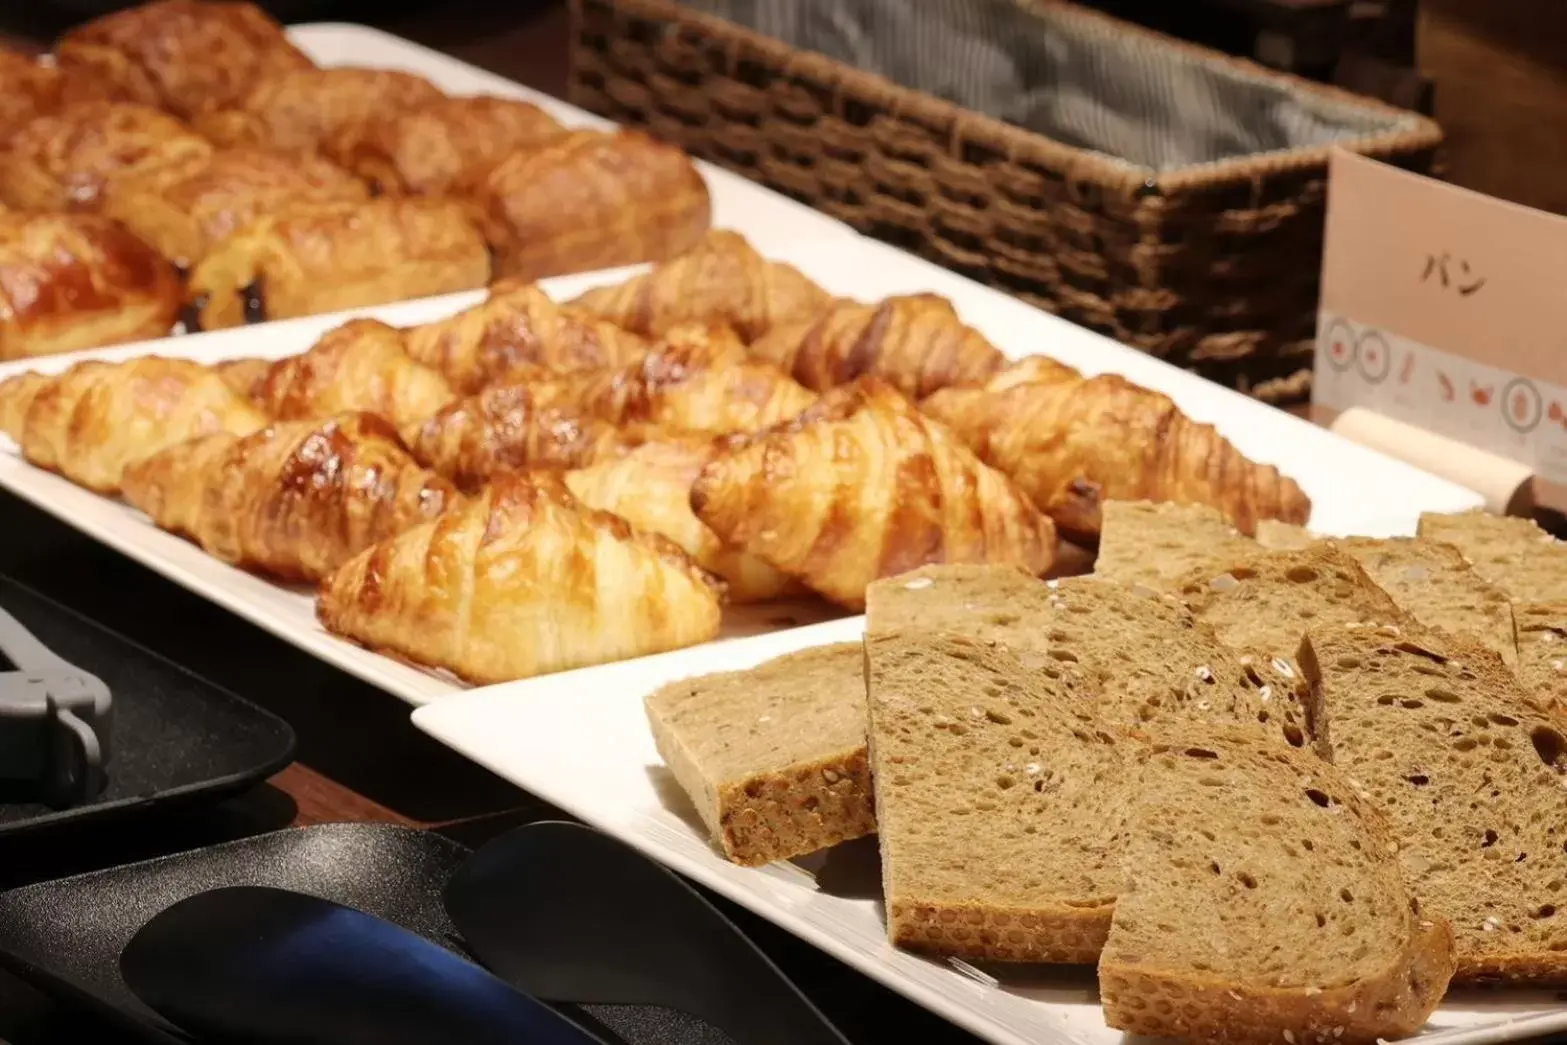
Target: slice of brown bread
[1434, 584]
[1262, 902]
[1437, 732]
[1542, 653]
[1511, 552]
[1142, 542]
[1282, 536]
[1141, 653]
[773, 758]
[997, 796]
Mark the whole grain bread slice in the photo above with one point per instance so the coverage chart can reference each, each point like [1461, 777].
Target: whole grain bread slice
[1511, 552]
[1156, 544]
[774, 757]
[1262, 902]
[997, 798]
[1439, 735]
[1542, 654]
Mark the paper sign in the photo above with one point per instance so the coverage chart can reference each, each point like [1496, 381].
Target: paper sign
[1445, 309]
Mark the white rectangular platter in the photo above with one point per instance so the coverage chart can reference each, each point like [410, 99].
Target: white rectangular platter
[1353, 490]
[580, 741]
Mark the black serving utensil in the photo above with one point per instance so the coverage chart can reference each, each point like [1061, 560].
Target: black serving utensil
[566, 913]
[259, 966]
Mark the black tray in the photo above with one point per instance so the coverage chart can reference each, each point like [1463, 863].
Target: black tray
[177, 738]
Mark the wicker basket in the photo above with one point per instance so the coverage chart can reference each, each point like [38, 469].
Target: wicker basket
[1210, 265]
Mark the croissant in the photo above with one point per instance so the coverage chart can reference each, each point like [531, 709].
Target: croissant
[1072, 443]
[360, 365]
[589, 200]
[30, 88]
[244, 374]
[862, 486]
[508, 428]
[650, 487]
[91, 421]
[517, 329]
[521, 581]
[723, 280]
[916, 343]
[296, 499]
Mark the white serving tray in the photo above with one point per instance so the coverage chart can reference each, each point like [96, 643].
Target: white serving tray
[580, 741]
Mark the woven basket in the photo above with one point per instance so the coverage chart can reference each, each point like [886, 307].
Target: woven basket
[1211, 265]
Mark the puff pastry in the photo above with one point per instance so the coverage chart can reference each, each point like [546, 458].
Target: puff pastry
[186, 56]
[91, 421]
[521, 581]
[325, 257]
[74, 281]
[296, 499]
[242, 375]
[1072, 443]
[187, 212]
[650, 487]
[360, 365]
[518, 330]
[916, 343]
[722, 280]
[29, 89]
[431, 148]
[63, 161]
[863, 486]
[590, 200]
[315, 110]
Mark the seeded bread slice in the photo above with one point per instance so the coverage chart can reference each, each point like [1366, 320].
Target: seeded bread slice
[1434, 584]
[774, 757]
[1282, 536]
[1141, 542]
[1542, 654]
[1438, 733]
[1263, 902]
[1511, 552]
[997, 797]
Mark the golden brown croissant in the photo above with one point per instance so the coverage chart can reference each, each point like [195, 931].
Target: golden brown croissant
[722, 280]
[73, 281]
[91, 421]
[863, 486]
[296, 499]
[508, 428]
[243, 375]
[315, 110]
[434, 146]
[324, 257]
[29, 89]
[64, 161]
[360, 365]
[518, 330]
[1073, 443]
[916, 343]
[519, 582]
[650, 487]
[590, 200]
[188, 212]
[185, 56]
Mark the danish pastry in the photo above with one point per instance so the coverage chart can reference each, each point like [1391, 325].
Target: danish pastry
[29, 89]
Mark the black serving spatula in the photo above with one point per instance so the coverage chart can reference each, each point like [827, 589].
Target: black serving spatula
[566, 913]
[261, 966]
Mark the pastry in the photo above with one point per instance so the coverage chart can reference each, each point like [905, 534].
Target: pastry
[360, 365]
[74, 281]
[186, 56]
[188, 212]
[518, 582]
[916, 343]
[242, 375]
[429, 149]
[314, 258]
[30, 88]
[721, 280]
[515, 331]
[63, 161]
[296, 499]
[91, 421]
[861, 486]
[590, 200]
[1073, 443]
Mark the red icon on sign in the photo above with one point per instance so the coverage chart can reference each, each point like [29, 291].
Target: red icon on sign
[1448, 394]
[1555, 412]
[1408, 369]
[1481, 394]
